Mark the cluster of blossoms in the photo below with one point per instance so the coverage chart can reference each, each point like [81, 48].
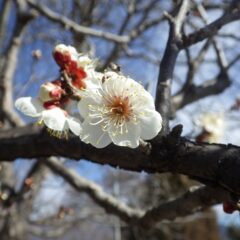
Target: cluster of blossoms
[113, 108]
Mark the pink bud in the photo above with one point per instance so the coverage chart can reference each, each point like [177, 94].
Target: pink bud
[229, 207]
[50, 91]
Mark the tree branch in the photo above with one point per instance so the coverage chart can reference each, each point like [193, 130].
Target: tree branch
[163, 90]
[190, 92]
[9, 64]
[108, 202]
[232, 14]
[188, 203]
[216, 164]
[69, 24]
[193, 92]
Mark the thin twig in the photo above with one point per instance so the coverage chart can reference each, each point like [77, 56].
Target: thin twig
[232, 14]
[188, 203]
[108, 202]
[69, 24]
[163, 90]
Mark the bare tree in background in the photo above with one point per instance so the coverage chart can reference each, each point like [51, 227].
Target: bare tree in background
[144, 38]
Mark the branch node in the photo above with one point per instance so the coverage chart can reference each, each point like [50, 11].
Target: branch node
[168, 16]
[174, 136]
[146, 147]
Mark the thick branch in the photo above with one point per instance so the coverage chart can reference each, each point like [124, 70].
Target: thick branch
[213, 163]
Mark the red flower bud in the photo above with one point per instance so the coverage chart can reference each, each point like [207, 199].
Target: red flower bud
[229, 207]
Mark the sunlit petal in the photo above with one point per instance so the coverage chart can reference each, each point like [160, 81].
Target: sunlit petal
[128, 138]
[151, 124]
[54, 119]
[93, 134]
[74, 125]
[84, 105]
[29, 106]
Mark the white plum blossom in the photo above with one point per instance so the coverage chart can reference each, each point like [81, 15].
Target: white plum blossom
[213, 123]
[113, 108]
[47, 108]
[119, 111]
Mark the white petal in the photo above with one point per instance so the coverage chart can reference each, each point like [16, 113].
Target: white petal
[151, 124]
[60, 48]
[91, 98]
[55, 119]
[94, 135]
[113, 84]
[143, 100]
[111, 75]
[93, 79]
[83, 61]
[74, 125]
[29, 106]
[128, 138]
[72, 51]
[148, 98]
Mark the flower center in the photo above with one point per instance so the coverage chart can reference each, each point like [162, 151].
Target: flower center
[120, 108]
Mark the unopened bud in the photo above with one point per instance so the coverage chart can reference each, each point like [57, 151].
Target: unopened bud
[50, 91]
[64, 55]
[37, 54]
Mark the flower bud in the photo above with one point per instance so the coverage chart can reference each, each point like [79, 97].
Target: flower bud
[64, 55]
[50, 91]
[229, 207]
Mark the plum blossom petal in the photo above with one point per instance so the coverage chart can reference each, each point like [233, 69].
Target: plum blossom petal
[74, 125]
[54, 119]
[90, 98]
[94, 134]
[153, 119]
[129, 137]
[85, 62]
[29, 106]
[93, 79]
